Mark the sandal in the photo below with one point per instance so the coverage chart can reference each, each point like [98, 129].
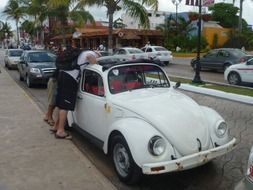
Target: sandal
[66, 136]
[53, 130]
[50, 122]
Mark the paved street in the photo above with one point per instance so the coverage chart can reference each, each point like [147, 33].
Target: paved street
[220, 174]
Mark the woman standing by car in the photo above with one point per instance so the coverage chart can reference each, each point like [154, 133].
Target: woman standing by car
[52, 90]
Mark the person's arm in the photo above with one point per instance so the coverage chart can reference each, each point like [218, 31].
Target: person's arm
[91, 59]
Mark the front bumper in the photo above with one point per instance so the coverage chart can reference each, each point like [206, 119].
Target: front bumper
[38, 79]
[189, 161]
[13, 65]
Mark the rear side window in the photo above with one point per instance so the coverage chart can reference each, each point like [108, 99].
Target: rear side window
[92, 83]
[160, 49]
[149, 50]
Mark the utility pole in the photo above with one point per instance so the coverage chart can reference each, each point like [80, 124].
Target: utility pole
[197, 78]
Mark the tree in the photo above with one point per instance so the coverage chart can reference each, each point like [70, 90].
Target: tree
[6, 29]
[133, 8]
[15, 11]
[176, 36]
[39, 10]
[225, 14]
[64, 9]
[28, 27]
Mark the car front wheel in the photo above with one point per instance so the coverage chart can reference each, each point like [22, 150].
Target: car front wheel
[234, 78]
[126, 168]
[28, 82]
[20, 77]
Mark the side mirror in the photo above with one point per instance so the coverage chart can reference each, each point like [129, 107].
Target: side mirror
[177, 85]
[22, 62]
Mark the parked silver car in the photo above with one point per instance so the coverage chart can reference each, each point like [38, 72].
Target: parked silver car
[130, 53]
[36, 66]
[159, 53]
[12, 57]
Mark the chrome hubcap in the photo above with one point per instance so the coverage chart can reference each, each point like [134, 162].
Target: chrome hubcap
[233, 79]
[121, 159]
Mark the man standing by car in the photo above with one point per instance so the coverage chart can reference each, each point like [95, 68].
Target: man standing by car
[67, 91]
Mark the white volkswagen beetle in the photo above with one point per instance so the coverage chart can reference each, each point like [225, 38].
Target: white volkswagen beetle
[133, 113]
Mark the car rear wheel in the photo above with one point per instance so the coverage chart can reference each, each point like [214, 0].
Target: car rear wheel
[125, 167]
[234, 78]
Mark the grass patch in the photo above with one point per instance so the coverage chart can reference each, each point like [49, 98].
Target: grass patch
[231, 89]
[181, 54]
[224, 88]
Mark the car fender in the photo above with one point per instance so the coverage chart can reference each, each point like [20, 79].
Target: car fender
[214, 119]
[70, 118]
[137, 134]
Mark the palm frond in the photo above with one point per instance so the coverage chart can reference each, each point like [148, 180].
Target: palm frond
[136, 10]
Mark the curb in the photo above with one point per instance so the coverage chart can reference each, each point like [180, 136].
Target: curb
[218, 93]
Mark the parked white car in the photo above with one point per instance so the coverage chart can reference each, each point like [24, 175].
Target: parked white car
[161, 53]
[247, 182]
[12, 57]
[129, 53]
[242, 72]
[131, 111]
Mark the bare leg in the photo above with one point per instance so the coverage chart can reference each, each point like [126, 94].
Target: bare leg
[60, 123]
[50, 112]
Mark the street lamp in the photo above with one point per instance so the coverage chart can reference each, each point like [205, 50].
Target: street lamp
[176, 3]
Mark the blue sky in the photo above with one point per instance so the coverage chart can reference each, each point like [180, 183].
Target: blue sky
[166, 5]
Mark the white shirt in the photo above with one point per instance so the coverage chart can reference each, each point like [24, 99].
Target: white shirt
[82, 58]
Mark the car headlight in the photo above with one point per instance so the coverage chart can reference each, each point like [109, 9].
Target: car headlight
[156, 146]
[221, 129]
[35, 70]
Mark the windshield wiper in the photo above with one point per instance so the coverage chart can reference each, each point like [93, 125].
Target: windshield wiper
[165, 85]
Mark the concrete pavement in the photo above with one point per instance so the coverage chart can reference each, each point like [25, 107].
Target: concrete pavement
[30, 157]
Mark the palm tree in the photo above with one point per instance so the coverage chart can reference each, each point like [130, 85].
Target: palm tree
[133, 8]
[64, 9]
[14, 11]
[5, 30]
[39, 10]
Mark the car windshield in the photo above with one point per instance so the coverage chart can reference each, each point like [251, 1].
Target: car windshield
[160, 49]
[134, 50]
[131, 77]
[15, 53]
[37, 57]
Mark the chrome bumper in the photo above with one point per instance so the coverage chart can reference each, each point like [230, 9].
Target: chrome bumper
[190, 161]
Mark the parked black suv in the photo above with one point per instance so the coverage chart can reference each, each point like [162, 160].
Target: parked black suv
[36, 66]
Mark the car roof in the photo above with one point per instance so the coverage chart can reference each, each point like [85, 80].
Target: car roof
[109, 65]
[228, 49]
[15, 49]
[37, 51]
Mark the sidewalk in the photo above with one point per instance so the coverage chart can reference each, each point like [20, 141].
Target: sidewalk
[30, 157]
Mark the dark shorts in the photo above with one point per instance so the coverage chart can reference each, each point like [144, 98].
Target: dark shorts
[66, 92]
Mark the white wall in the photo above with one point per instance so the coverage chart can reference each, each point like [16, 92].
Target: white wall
[155, 18]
